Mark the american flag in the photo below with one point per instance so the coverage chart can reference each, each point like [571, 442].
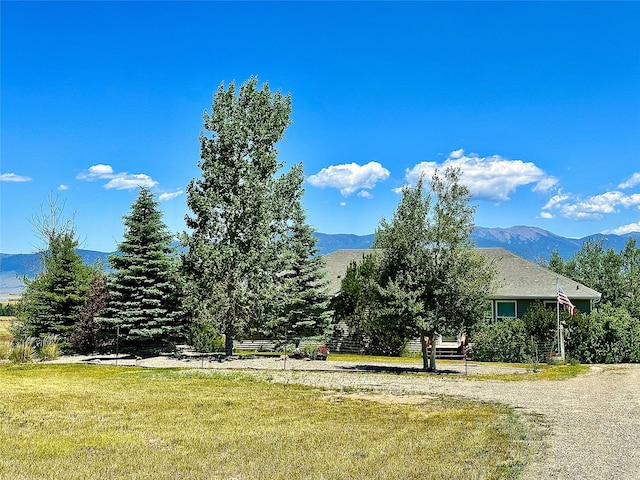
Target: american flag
[564, 300]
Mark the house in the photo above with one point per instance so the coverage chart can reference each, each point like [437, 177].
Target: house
[519, 283]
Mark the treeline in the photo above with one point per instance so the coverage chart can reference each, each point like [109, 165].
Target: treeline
[250, 265]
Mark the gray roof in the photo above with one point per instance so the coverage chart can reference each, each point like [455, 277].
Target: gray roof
[516, 277]
[337, 263]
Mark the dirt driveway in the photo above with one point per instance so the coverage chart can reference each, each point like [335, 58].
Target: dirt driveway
[594, 419]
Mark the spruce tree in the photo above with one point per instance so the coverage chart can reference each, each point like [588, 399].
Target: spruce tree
[52, 300]
[240, 209]
[302, 306]
[144, 301]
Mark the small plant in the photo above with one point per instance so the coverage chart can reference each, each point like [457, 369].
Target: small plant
[204, 337]
[5, 350]
[49, 347]
[322, 352]
[23, 352]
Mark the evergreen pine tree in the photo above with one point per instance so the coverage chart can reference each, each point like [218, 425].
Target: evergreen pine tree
[302, 307]
[52, 300]
[144, 301]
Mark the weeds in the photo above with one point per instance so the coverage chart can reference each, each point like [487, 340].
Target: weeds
[49, 347]
[23, 352]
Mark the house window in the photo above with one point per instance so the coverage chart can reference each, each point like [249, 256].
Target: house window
[505, 310]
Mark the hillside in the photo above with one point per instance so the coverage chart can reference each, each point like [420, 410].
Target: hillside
[531, 243]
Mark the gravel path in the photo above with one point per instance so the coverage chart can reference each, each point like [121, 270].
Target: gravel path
[594, 419]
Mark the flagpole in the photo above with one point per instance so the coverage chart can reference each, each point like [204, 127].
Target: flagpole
[558, 310]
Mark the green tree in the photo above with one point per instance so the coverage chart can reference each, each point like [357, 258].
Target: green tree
[630, 282]
[52, 300]
[598, 268]
[86, 333]
[301, 307]
[432, 280]
[144, 294]
[358, 305]
[234, 257]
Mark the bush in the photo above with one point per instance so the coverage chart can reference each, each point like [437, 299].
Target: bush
[204, 337]
[504, 341]
[606, 335]
[23, 351]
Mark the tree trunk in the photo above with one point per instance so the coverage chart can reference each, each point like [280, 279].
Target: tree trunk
[228, 345]
[432, 360]
[423, 345]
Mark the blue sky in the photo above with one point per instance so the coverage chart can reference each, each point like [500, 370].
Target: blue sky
[538, 104]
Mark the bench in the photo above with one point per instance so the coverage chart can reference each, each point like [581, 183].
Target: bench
[254, 345]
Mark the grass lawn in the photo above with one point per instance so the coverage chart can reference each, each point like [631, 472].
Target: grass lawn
[95, 422]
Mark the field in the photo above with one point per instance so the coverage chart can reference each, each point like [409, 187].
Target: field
[83, 421]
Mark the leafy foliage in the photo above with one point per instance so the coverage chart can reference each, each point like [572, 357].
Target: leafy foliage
[239, 245]
[504, 341]
[358, 306]
[606, 335]
[86, 336]
[144, 295]
[431, 280]
[540, 323]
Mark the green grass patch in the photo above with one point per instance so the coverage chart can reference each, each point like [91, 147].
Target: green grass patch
[352, 357]
[544, 372]
[99, 422]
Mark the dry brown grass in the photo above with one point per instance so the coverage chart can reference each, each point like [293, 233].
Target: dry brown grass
[80, 421]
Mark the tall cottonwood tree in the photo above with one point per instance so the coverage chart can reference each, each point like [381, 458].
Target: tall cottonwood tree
[240, 210]
[431, 279]
[52, 300]
[144, 295]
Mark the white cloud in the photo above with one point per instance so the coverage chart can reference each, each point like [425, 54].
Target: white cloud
[629, 228]
[169, 195]
[632, 181]
[343, 204]
[365, 194]
[63, 187]
[13, 177]
[126, 181]
[591, 208]
[118, 181]
[489, 178]
[349, 177]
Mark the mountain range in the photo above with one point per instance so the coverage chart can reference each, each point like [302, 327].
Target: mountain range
[531, 243]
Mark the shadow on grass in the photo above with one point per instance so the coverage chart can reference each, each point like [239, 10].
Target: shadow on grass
[397, 370]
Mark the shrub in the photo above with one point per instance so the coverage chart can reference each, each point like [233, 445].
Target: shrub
[23, 351]
[204, 337]
[504, 341]
[606, 335]
[49, 347]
